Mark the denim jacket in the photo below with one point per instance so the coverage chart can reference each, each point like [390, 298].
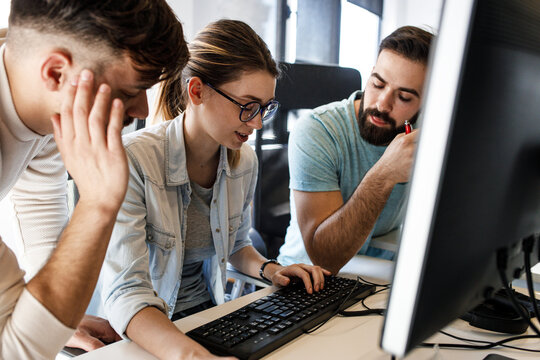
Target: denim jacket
[143, 265]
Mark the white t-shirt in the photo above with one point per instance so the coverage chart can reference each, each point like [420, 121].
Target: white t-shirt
[34, 180]
[33, 177]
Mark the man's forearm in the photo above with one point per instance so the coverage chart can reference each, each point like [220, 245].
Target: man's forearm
[338, 238]
[66, 283]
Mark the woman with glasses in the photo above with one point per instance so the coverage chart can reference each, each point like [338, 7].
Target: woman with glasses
[187, 209]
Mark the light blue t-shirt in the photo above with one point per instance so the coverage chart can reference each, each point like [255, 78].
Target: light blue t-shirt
[327, 153]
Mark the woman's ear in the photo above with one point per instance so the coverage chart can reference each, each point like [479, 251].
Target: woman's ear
[195, 90]
[54, 69]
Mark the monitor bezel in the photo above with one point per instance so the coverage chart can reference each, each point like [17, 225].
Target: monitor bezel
[442, 87]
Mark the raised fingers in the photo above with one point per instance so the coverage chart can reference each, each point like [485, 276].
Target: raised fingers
[114, 130]
[83, 104]
[66, 111]
[99, 115]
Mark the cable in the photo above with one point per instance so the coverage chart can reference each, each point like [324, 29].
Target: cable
[369, 311]
[383, 286]
[362, 312]
[488, 345]
[375, 292]
[502, 258]
[519, 308]
[501, 267]
[354, 313]
[370, 282]
[490, 342]
[336, 311]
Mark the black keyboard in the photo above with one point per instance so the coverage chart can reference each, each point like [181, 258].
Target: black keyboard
[266, 324]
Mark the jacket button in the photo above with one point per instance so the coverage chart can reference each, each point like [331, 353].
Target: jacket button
[230, 228]
[218, 230]
[222, 260]
[150, 237]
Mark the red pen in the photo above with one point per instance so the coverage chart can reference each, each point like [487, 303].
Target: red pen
[408, 127]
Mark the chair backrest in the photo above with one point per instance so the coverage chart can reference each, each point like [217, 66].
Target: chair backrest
[301, 86]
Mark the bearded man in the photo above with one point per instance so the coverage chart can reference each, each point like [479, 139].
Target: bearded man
[349, 160]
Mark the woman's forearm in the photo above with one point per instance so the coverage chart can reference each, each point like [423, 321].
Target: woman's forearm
[153, 331]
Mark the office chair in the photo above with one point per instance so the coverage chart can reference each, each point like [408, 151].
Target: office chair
[301, 86]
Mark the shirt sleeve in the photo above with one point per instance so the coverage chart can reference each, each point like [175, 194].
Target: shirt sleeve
[242, 238]
[126, 287]
[39, 200]
[27, 329]
[313, 156]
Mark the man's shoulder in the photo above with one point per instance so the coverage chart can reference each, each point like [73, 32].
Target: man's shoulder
[344, 107]
[336, 119]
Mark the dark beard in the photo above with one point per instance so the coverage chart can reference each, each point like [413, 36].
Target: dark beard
[376, 135]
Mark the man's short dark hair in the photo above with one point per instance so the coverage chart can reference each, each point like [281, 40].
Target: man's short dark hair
[410, 42]
[146, 30]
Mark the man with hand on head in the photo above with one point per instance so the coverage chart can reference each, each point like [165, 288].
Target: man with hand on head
[348, 160]
[67, 61]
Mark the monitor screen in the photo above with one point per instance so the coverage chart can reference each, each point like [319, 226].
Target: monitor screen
[475, 185]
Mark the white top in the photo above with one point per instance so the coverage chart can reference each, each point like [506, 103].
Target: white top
[34, 178]
[27, 329]
[31, 166]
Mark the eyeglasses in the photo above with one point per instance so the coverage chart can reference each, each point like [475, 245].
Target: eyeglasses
[253, 108]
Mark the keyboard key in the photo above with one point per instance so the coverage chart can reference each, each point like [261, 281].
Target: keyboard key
[286, 314]
[264, 305]
[270, 309]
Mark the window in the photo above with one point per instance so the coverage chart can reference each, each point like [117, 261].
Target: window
[359, 38]
[4, 13]
[342, 32]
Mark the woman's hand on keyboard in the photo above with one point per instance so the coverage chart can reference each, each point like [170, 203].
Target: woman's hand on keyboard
[311, 275]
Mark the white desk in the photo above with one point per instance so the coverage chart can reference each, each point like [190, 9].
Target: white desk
[340, 338]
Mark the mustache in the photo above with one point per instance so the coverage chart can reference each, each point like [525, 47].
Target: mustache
[381, 115]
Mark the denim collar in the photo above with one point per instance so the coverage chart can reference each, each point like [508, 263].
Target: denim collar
[175, 155]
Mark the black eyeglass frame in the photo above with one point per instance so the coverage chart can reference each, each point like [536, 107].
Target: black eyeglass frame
[244, 107]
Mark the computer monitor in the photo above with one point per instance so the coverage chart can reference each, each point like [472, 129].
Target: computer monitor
[475, 185]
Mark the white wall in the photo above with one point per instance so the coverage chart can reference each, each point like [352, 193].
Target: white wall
[4, 13]
[194, 15]
[259, 14]
[422, 13]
